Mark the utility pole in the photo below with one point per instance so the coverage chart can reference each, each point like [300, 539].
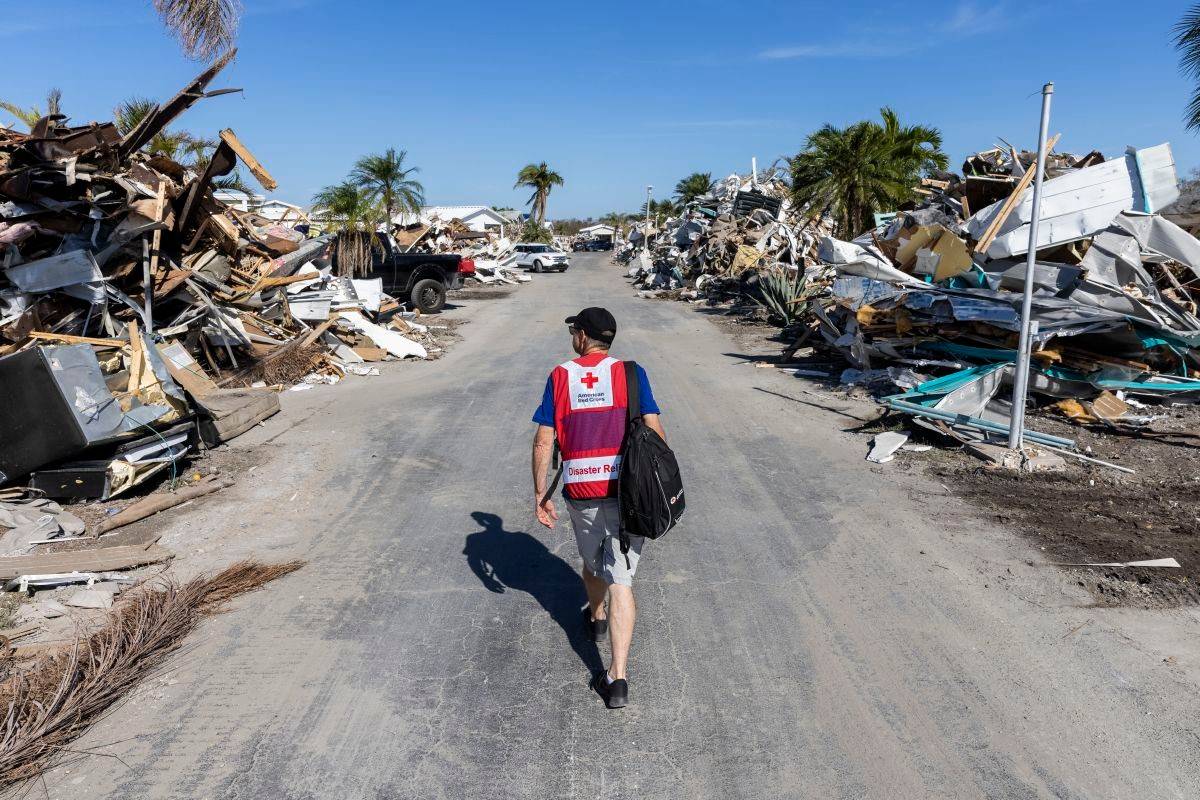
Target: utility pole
[1016, 426]
[646, 233]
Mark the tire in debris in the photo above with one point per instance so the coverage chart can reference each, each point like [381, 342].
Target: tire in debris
[429, 295]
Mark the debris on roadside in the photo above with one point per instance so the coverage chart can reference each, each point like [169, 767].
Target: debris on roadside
[55, 697]
[924, 309]
[142, 318]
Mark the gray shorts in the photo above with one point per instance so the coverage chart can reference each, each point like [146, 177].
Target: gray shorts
[597, 525]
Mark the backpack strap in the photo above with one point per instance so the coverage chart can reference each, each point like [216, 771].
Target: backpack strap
[554, 463]
[633, 402]
[633, 391]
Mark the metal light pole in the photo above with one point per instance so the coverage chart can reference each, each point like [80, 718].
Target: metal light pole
[1016, 424]
[646, 232]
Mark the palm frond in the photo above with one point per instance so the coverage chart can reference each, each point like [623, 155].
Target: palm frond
[129, 114]
[204, 28]
[54, 102]
[1187, 42]
[29, 116]
[233, 182]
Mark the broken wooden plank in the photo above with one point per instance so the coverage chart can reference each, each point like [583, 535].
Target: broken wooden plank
[135, 359]
[154, 503]
[105, 559]
[69, 339]
[993, 228]
[258, 170]
[316, 332]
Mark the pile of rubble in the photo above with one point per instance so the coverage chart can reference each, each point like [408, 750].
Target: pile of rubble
[930, 302]
[491, 252]
[141, 318]
[746, 224]
[925, 308]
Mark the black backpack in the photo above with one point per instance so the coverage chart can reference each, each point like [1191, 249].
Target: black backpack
[650, 488]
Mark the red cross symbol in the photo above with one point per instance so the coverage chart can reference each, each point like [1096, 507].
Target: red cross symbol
[589, 380]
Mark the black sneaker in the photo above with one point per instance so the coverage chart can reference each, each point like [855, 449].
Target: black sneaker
[597, 628]
[615, 694]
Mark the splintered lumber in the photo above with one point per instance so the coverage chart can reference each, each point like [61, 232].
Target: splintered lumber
[316, 332]
[152, 504]
[68, 339]
[993, 227]
[259, 171]
[105, 559]
[135, 359]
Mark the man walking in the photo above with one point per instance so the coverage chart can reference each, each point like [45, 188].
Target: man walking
[584, 406]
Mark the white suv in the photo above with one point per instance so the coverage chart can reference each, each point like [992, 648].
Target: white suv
[540, 258]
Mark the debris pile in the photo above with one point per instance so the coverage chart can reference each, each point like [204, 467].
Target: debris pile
[746, 225]
[930, 302]
[140, 317]
[491, 252]
[925, 307]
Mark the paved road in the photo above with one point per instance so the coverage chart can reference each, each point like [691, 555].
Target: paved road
[813, 631]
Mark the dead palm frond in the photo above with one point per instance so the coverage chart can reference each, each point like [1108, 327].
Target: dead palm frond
[65, 691]
[204, 28]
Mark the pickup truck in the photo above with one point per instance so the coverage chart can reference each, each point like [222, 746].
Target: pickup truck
[420, 279]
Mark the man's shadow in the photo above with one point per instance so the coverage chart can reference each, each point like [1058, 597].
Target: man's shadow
[505, 560]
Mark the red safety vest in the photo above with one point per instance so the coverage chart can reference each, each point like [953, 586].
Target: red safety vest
[589, 420]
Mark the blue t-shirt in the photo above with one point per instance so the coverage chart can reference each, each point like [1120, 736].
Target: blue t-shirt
[545, 412]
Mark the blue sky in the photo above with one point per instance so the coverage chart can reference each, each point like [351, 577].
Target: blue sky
[615, 95]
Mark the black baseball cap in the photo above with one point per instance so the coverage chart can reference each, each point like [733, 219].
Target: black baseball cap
[596, 322]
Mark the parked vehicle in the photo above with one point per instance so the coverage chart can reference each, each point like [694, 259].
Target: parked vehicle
[419, 279]
[598, 245]
[540, 258]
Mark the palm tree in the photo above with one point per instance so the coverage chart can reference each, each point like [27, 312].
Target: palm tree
[855, 171]
[171, 145]
[614, 219]
[541, 179]
[1187, 41]
[354, 214]
[694, 186]
[233, 182]
[661, 209]
[130, 113]
[204, 28]
[387, 180]
[31, 115]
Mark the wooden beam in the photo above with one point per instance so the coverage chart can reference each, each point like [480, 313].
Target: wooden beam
[259, 171]
[160, 204]
[1006, 210]
[101, 560]
[68, 339]
[135, 359]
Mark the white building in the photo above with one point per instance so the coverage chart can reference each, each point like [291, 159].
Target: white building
[598, 231]
[275, 210]
[482, 219]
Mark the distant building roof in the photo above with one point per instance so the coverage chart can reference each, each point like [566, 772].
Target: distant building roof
[447, 213]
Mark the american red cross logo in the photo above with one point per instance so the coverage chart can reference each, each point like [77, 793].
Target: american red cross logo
[589, 380]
